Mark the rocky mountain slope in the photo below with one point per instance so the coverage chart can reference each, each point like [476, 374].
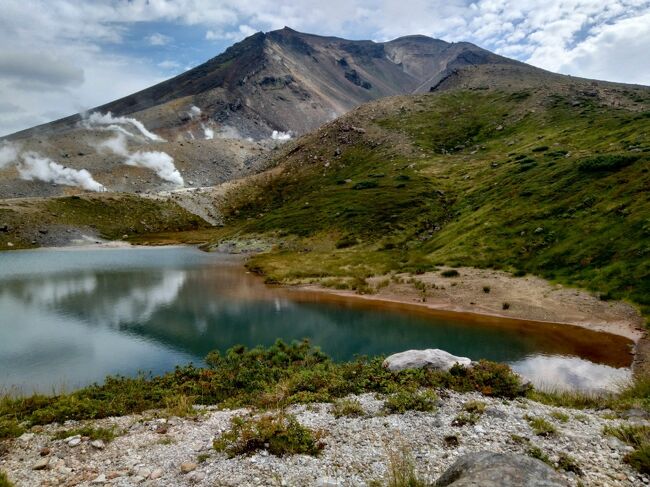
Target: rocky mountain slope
[214, 121]
[289, 81]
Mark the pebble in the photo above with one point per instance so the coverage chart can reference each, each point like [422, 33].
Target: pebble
[100, 479]
[156, 474]
[41, 464]
[187, 467]
[74, 442]
[99, 444]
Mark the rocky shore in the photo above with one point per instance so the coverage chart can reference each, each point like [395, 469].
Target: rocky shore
[155, 449]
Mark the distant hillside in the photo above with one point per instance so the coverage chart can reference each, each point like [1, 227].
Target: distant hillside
[552, 180]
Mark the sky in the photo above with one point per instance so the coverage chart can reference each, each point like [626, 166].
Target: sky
[59, 57]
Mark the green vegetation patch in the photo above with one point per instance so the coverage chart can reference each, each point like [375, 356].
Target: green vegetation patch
[405, 400]
[105, 434]
[280, 434]
[461, 188]
[260, 377]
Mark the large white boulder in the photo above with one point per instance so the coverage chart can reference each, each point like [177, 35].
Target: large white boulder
[432, 358]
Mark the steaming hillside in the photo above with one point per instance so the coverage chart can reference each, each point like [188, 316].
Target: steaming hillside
[212, 123]
[218, 121]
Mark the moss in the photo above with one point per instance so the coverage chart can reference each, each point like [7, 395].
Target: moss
[279, 434]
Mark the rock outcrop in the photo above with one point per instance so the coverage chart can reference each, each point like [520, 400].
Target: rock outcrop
[489, 469]
[432, 358]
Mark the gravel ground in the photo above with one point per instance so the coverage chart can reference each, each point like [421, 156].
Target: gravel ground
[154, 451]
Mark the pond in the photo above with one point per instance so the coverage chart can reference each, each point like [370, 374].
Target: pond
[69, 317]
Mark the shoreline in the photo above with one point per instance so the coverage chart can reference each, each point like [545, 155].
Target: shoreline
[533, 302]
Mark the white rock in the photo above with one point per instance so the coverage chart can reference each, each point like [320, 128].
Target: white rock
[100, 479]
[156, 474]
[328, 482]
[26, 437]
[99, 444]
[74, 442]
[432, 358]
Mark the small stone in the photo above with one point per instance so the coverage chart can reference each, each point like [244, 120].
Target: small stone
[197, 476]
[328, 482]
[156, 474]
[99, 444]
[74, 442]
[187, 467]
[143, 472]
[41, 464]
[26, 437]
[45, 451]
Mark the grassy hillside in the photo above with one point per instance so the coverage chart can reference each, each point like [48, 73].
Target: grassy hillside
[529, 181]
[34, 222]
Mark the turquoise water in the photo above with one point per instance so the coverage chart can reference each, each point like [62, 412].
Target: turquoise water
[71, 317]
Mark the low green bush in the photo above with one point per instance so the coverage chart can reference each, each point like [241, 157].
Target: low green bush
[4, 480]
[347, 407]
[402, 401]
[607, 162]
[540, 426]
[450, 273]
[279, 434]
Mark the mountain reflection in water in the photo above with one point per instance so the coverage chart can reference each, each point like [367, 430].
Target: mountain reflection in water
[69, 318]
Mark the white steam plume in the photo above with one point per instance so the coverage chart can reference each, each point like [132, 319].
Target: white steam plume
[160, 162]
[281, 136]
[194, 112]
[8, 154]
[207, 132]
[96, 118]
[35, 166]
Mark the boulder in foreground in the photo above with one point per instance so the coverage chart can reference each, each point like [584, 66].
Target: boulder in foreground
[432, 358]
[489, 469]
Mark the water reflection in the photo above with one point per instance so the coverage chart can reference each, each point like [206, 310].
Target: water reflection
[73, 317]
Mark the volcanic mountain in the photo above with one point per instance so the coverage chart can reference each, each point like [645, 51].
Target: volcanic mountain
[216, 122]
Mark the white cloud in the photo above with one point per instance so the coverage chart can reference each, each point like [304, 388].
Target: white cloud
[168, 64]
[158, 39]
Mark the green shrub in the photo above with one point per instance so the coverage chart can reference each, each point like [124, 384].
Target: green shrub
[540, 426]
[568, 464]
[465, 418]
[279, 434]
[560, 416]
[450, 273]
[365, 185]
[347, 407]
[639, 459]
[345, 242]
[401, 469]
[4, 480]
[451, 441]
[402, 401]
[542, 148]
[607, 162]
[538, 453]
[10, 428]
[488, 378]
[475, 407]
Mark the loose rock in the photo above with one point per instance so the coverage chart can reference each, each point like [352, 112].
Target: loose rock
[432, 358]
